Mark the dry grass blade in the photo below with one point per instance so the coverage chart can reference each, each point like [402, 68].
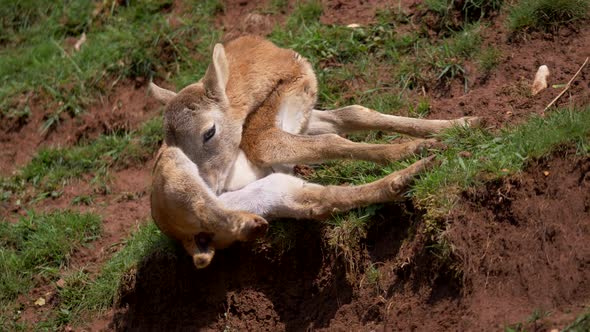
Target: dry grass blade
[567, 86]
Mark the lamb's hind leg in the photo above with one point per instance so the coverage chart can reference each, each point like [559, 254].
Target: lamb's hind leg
[284, 196]
[356, 118]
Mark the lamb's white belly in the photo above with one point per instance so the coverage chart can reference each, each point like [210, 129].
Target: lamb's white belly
[243, 172]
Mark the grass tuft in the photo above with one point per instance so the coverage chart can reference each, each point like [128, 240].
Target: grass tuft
[276, 7]
[447, 60]
[489, 58]
[305, 13]
[38, 245]
[344, 234]
[469, 11]
[581, 324]
[529, 15]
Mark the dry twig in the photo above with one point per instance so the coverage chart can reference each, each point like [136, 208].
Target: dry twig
[567, 86]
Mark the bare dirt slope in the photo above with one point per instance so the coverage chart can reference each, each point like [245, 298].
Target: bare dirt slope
[522, 244]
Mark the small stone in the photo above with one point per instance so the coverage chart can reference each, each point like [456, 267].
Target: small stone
[80, 41]
[465, 154]
[540, 81]
[546, 173]
[40, 302]
[60, 283]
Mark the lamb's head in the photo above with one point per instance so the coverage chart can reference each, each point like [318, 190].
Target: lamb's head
[198, 121]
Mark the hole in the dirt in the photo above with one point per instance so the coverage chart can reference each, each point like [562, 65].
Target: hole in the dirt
[373, 314]
[395, 223]
[497, 198]
[445, 286]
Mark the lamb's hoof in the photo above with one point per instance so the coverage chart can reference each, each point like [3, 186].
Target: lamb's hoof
[431, 144]
[471, 121]
[401, 180]
[256, 228]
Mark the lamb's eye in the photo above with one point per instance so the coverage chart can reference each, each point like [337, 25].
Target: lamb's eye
[209, 134]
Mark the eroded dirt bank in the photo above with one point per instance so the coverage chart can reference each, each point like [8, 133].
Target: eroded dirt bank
[521, 243]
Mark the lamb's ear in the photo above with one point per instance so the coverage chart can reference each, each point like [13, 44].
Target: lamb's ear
[162, 95]
[215, 79]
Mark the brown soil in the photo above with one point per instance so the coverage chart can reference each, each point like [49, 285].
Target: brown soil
[503, 96]
[125, 108]
[524, 244]
[362, 12]
[242, 17]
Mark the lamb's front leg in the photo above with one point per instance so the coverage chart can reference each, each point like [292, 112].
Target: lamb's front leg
[286, 196]
[271, 147]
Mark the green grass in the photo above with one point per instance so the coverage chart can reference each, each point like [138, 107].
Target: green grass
[581, 324]
[528, 15]
[122, 42]
[84, 294]
[38, 246]
[305, 12]
[470, 11]
[489, 58]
